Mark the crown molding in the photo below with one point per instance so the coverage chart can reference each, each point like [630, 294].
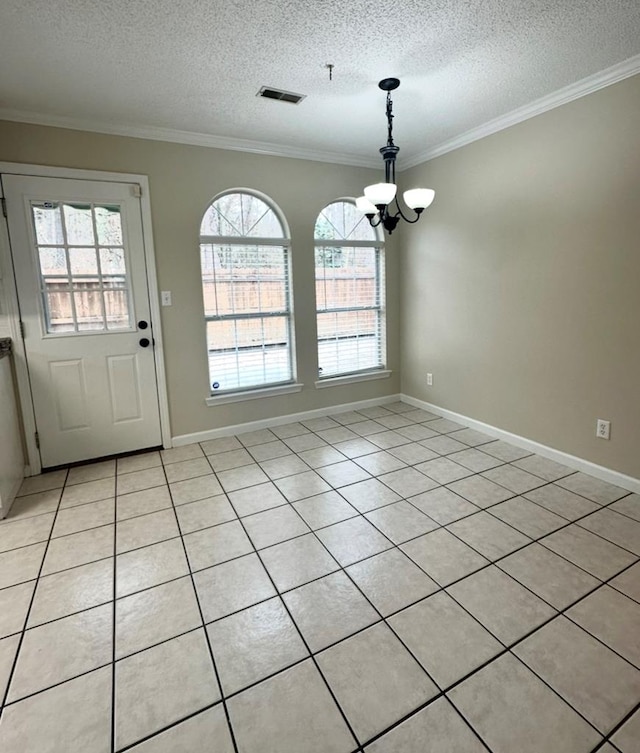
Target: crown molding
[585, 86]
[189, 138]
[589, 85]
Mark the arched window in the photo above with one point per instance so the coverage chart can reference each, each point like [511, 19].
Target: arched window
[245, 258]
[349, 292]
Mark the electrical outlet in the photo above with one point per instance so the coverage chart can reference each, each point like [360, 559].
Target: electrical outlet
[429, 380]
[603, 429]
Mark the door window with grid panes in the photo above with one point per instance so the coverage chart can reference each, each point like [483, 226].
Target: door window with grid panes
[349, 260]
[245, 260]
[83, 269]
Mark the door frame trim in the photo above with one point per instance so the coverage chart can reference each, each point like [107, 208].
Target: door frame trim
[34, 466]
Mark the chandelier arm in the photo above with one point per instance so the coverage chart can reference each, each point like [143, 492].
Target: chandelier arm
[400, 213]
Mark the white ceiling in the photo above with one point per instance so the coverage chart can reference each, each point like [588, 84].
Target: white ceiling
[189, 70]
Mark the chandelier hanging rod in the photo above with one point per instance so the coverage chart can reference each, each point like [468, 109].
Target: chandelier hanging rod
[378, 198]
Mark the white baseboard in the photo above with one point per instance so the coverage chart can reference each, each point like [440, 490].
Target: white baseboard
[266, 423]
[578, 464]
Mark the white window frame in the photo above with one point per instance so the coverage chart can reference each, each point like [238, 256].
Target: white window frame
[267, 389]
[378, 245]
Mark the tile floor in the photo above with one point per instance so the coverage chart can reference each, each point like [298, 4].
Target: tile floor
[382, 581]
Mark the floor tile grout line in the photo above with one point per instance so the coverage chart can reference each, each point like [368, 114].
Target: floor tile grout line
[104, 525]
[414, 423]
[546, 482]
[383, 620]
[601, 535]
[231, 695]
[601, 745]
[32, 543]
[563, 612]
[392, 448]
[235, 693]
[539, 540]
[509, 647]
[212, 622]
[248, 449]
[169, 726]
[605, 506]
[126, 551]
[501, 464]
[63, 570]
[14, 664]
[6, 522]
[439, 527]
[628, 517]
[443, 691]
[143, 514]
[556, 692]
[570, 522]
[600, 584]
[468, 723]
[68, 508]
[377, 476]
[22, 497]
[203, 625]
[598, 639]
[635, 710]
[58, 684]
[302, 638]
[506, 648]
[328, 444]
[110, 663]
[69, 614]
[430, 702]
[615, 588]
[576, 522]
[140, 651]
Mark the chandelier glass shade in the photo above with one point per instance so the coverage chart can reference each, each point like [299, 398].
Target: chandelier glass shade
[378, 200]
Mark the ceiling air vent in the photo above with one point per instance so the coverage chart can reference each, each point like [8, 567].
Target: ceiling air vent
[283, 96]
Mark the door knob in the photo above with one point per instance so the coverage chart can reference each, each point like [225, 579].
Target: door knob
[145, 342]
[142, 324]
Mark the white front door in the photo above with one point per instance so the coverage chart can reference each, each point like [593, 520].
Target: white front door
[78, 254]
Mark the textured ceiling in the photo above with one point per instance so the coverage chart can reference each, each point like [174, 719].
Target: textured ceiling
[196, 66]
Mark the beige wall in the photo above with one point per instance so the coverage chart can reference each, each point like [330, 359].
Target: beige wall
[521, 287]
[183, 180]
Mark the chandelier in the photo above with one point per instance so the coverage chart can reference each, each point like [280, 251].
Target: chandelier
[376, 203]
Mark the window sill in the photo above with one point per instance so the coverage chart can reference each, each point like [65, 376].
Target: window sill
[352, 378]
[238, 397]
